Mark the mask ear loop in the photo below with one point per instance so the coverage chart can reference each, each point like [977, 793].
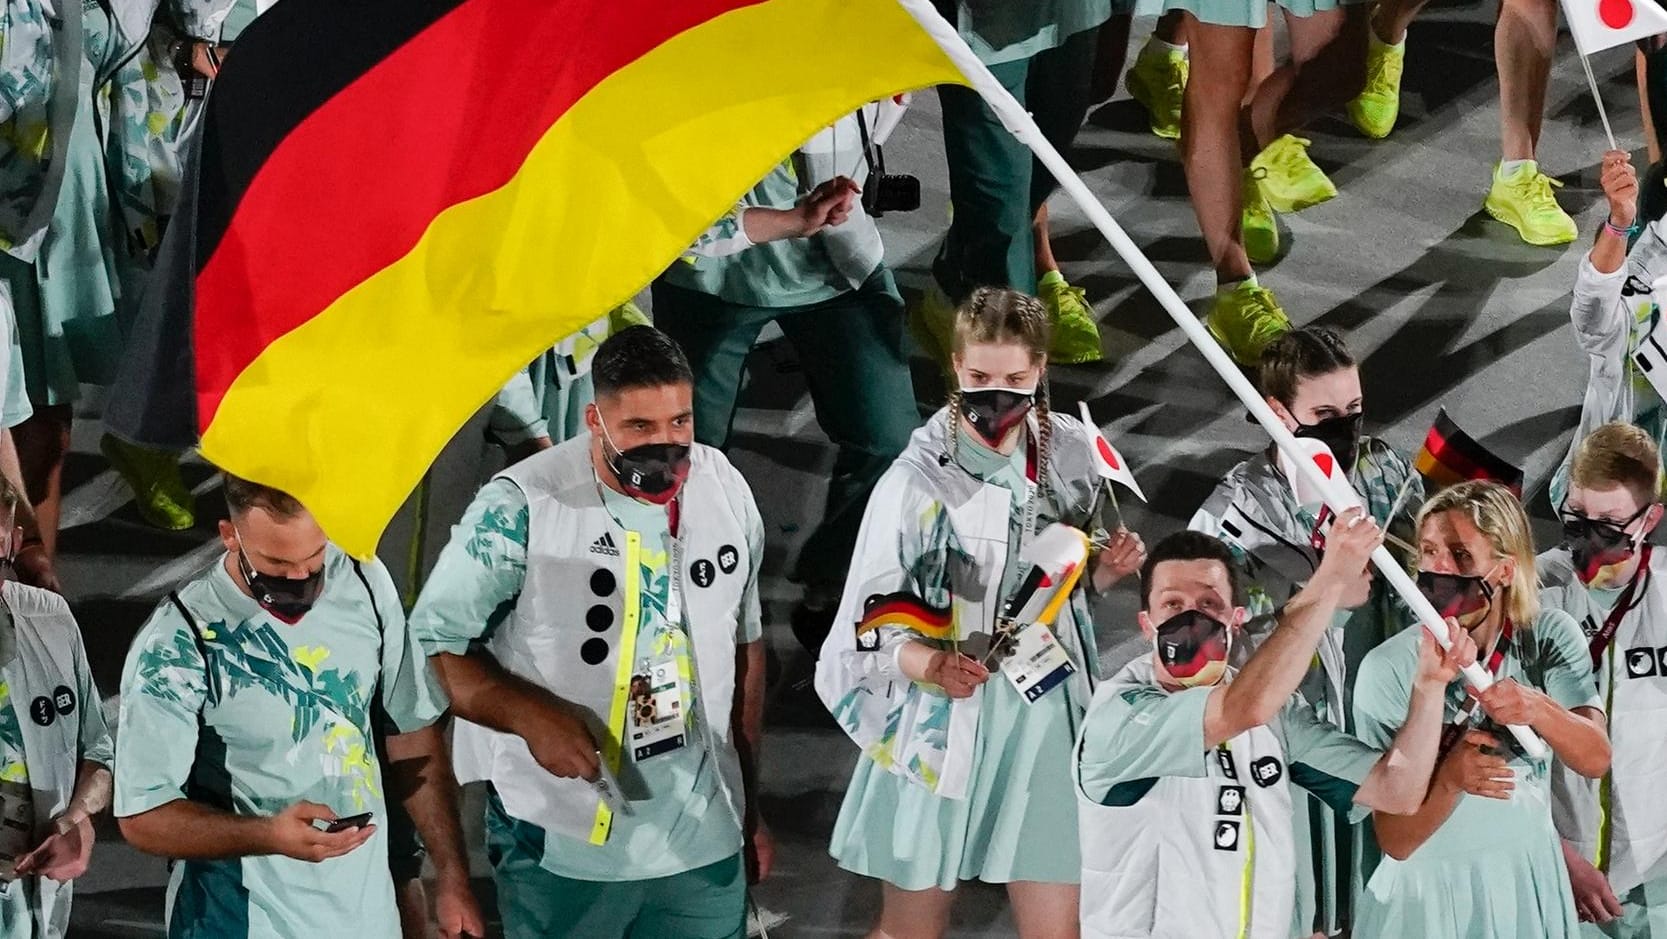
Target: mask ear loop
[608, 439]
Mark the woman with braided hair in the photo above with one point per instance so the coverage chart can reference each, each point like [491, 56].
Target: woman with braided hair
[962, 776]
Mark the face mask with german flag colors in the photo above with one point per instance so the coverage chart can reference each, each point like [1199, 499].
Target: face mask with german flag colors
[1192, 647]
[1465, 598]
[993, 412]
[1599, 548]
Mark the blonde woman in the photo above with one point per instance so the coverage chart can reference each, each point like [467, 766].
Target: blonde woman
[962, 777]
[1481, 859]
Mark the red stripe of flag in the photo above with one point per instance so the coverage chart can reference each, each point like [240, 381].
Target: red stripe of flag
[313, 224]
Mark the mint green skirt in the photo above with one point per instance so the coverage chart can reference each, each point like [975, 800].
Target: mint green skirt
[65, 302]
[1017, 823]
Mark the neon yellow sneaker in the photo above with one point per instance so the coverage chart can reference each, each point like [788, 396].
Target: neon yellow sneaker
[1158, 80]
[932, 324]
[1379, 104]
[1076, 337]
[1292, 181]
[1524, 200]
[158, 491]
[1258, 225]
[1245, 320]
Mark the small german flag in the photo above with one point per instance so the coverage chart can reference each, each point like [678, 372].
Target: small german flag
[906, 611]
[396, 204]
[1452, 456]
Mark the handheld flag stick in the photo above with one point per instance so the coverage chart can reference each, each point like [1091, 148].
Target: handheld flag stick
[1115, 508]
[1401, 498]
[1399, 542]
[1603, 115]
[1018, 122]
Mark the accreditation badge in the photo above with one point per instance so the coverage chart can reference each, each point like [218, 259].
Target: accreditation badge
[1035, 662]
[655, 712]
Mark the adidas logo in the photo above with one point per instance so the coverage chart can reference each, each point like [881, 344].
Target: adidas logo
[605, 545]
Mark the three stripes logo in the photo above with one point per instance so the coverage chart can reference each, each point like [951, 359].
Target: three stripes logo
[605, 545]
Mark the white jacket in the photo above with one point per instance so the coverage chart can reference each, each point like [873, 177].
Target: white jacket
[918, 734]
[1612, 313]
[1620, 823]
[48, 664]
[574, 627]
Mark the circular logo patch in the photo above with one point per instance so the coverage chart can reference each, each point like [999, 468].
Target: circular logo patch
[63, 699]
[703, 573]
[728, 558]
[42, 711]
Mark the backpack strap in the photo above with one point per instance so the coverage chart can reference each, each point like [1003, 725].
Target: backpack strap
[202, 648]
[380, 722]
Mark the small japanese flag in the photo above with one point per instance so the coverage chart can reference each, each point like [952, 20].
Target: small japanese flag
[1307, 494]
[1603, 24]
[1107, 461]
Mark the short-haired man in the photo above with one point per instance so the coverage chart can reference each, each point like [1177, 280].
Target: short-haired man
[1613, 582]
[251, 702]
[1184, 760]
[596, 618]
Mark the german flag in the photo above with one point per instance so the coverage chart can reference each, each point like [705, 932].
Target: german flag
[398, 203]
[1450, 455]
[906, 611]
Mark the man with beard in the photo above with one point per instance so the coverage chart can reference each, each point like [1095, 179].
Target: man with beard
[621, 564]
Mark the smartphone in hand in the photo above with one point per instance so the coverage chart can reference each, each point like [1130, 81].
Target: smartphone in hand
[343, 824]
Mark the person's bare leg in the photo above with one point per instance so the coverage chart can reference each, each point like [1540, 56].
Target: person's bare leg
[1390, 18]
[1326, 70]
[1261, 62]
[1045, 261]
[42, 443]
[1523, 42]
[1171, 28]
[1045, 911]
[913, 914]
[1210, 151]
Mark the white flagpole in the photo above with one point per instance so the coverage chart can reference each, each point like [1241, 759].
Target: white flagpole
[1603, 115]
[1019, 123]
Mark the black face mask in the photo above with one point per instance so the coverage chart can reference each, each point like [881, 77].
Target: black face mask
[652, 472]
[994, 412]
[1192, 645]
[1595, 544]
[1340, 434]
[287, 598]
[1455, 595]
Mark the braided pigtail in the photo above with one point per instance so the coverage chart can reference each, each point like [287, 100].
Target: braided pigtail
[1044, 439]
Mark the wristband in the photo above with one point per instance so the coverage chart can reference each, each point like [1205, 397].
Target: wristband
[1618, 231]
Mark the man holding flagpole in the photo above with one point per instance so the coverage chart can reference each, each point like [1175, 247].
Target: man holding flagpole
[1184, 765]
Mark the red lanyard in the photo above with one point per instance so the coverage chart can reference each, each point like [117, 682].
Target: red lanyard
[1456, 729]
[1600, 641]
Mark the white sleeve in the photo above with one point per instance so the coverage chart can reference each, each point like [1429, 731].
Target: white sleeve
[726, 237]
